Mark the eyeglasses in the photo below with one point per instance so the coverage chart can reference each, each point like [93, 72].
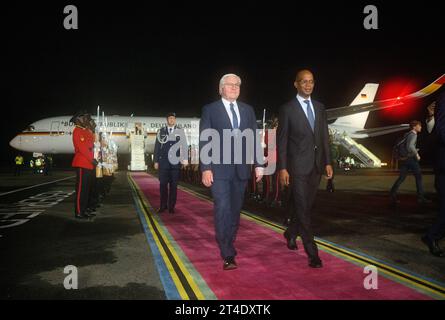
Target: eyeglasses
[306, 82]
[233, 85]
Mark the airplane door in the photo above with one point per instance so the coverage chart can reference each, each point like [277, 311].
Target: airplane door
[54, 128]
[130, 127]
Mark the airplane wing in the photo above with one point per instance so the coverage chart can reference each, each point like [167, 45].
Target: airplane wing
[335, 113]
[374, 132]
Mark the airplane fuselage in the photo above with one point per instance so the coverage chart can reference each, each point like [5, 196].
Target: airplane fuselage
[54, 135]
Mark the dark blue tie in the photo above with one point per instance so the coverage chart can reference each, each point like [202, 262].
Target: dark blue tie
[310, 114]
[234, 117]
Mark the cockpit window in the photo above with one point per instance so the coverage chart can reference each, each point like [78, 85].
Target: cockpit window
[30, 128]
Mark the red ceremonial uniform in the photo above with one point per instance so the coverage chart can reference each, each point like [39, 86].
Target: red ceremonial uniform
[83, 141]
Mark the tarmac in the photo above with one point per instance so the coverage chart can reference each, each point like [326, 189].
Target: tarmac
[111, 253]
[39, 237]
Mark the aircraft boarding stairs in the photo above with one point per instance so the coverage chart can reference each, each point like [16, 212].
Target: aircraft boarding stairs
[366, 157]
[137, 151]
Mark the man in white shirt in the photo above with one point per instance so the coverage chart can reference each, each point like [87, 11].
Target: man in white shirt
[227, 179]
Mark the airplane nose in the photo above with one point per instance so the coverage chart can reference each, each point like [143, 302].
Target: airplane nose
[15, 142]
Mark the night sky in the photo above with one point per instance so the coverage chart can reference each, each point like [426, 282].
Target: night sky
[151, 59]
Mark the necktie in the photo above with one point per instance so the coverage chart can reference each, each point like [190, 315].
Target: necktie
[310, 114]
[170, 130]
[234, 117]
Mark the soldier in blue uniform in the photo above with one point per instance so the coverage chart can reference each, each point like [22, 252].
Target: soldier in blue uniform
[169, 163]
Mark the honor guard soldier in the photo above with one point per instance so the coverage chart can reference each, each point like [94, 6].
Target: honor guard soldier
[167, 162]
[83, 161]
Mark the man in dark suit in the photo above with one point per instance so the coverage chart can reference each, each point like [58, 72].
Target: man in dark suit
[169, 163]
[303, 155]
[222, 171]
[437, 230]
[427, 139]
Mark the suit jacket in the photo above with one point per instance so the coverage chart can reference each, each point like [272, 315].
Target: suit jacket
[427, 143]
[161, 153]
[440, 131]
[214, 116]
[299, 148]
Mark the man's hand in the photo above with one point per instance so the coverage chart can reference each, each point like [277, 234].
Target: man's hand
[156, 166]
[329, 172]
[284, 177]
[207, 178]
[418, 157]
[259, 172]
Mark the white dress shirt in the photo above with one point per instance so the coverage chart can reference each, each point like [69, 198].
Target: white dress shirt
[430, 125]
[229, 112]
[303, 104]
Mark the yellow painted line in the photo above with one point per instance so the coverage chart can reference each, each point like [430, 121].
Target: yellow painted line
[390, 274]
[348, 255]
[170, 267]
[352, 256]
[178, 260]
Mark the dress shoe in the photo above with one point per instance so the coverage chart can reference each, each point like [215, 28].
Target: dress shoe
[423, 200]
[160, 210]
[171, 210]
[433, 246]
[89, 212]
[291, 242]
[81, 216]
[394, 199]
[229, 263]
[315, 263]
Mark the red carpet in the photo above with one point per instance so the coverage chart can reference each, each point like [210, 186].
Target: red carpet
[266, 268]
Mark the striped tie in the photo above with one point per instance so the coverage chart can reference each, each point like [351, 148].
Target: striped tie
[235, 118]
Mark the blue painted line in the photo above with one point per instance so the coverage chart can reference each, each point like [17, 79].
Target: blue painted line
[169, 286]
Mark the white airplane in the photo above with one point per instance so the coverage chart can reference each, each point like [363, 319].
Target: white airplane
[53, 135]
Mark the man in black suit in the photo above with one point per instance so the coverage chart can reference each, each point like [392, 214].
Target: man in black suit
[303, 155]
[427, 139]
[227, 174]
[168, 162]
[437, 230]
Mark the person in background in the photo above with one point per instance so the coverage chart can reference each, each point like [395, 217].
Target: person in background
[169, 170]
[427, 139]
[19, 161]
[93, 197]
[83, 162]
[32, 165]
[437, 231]
[410, 163]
